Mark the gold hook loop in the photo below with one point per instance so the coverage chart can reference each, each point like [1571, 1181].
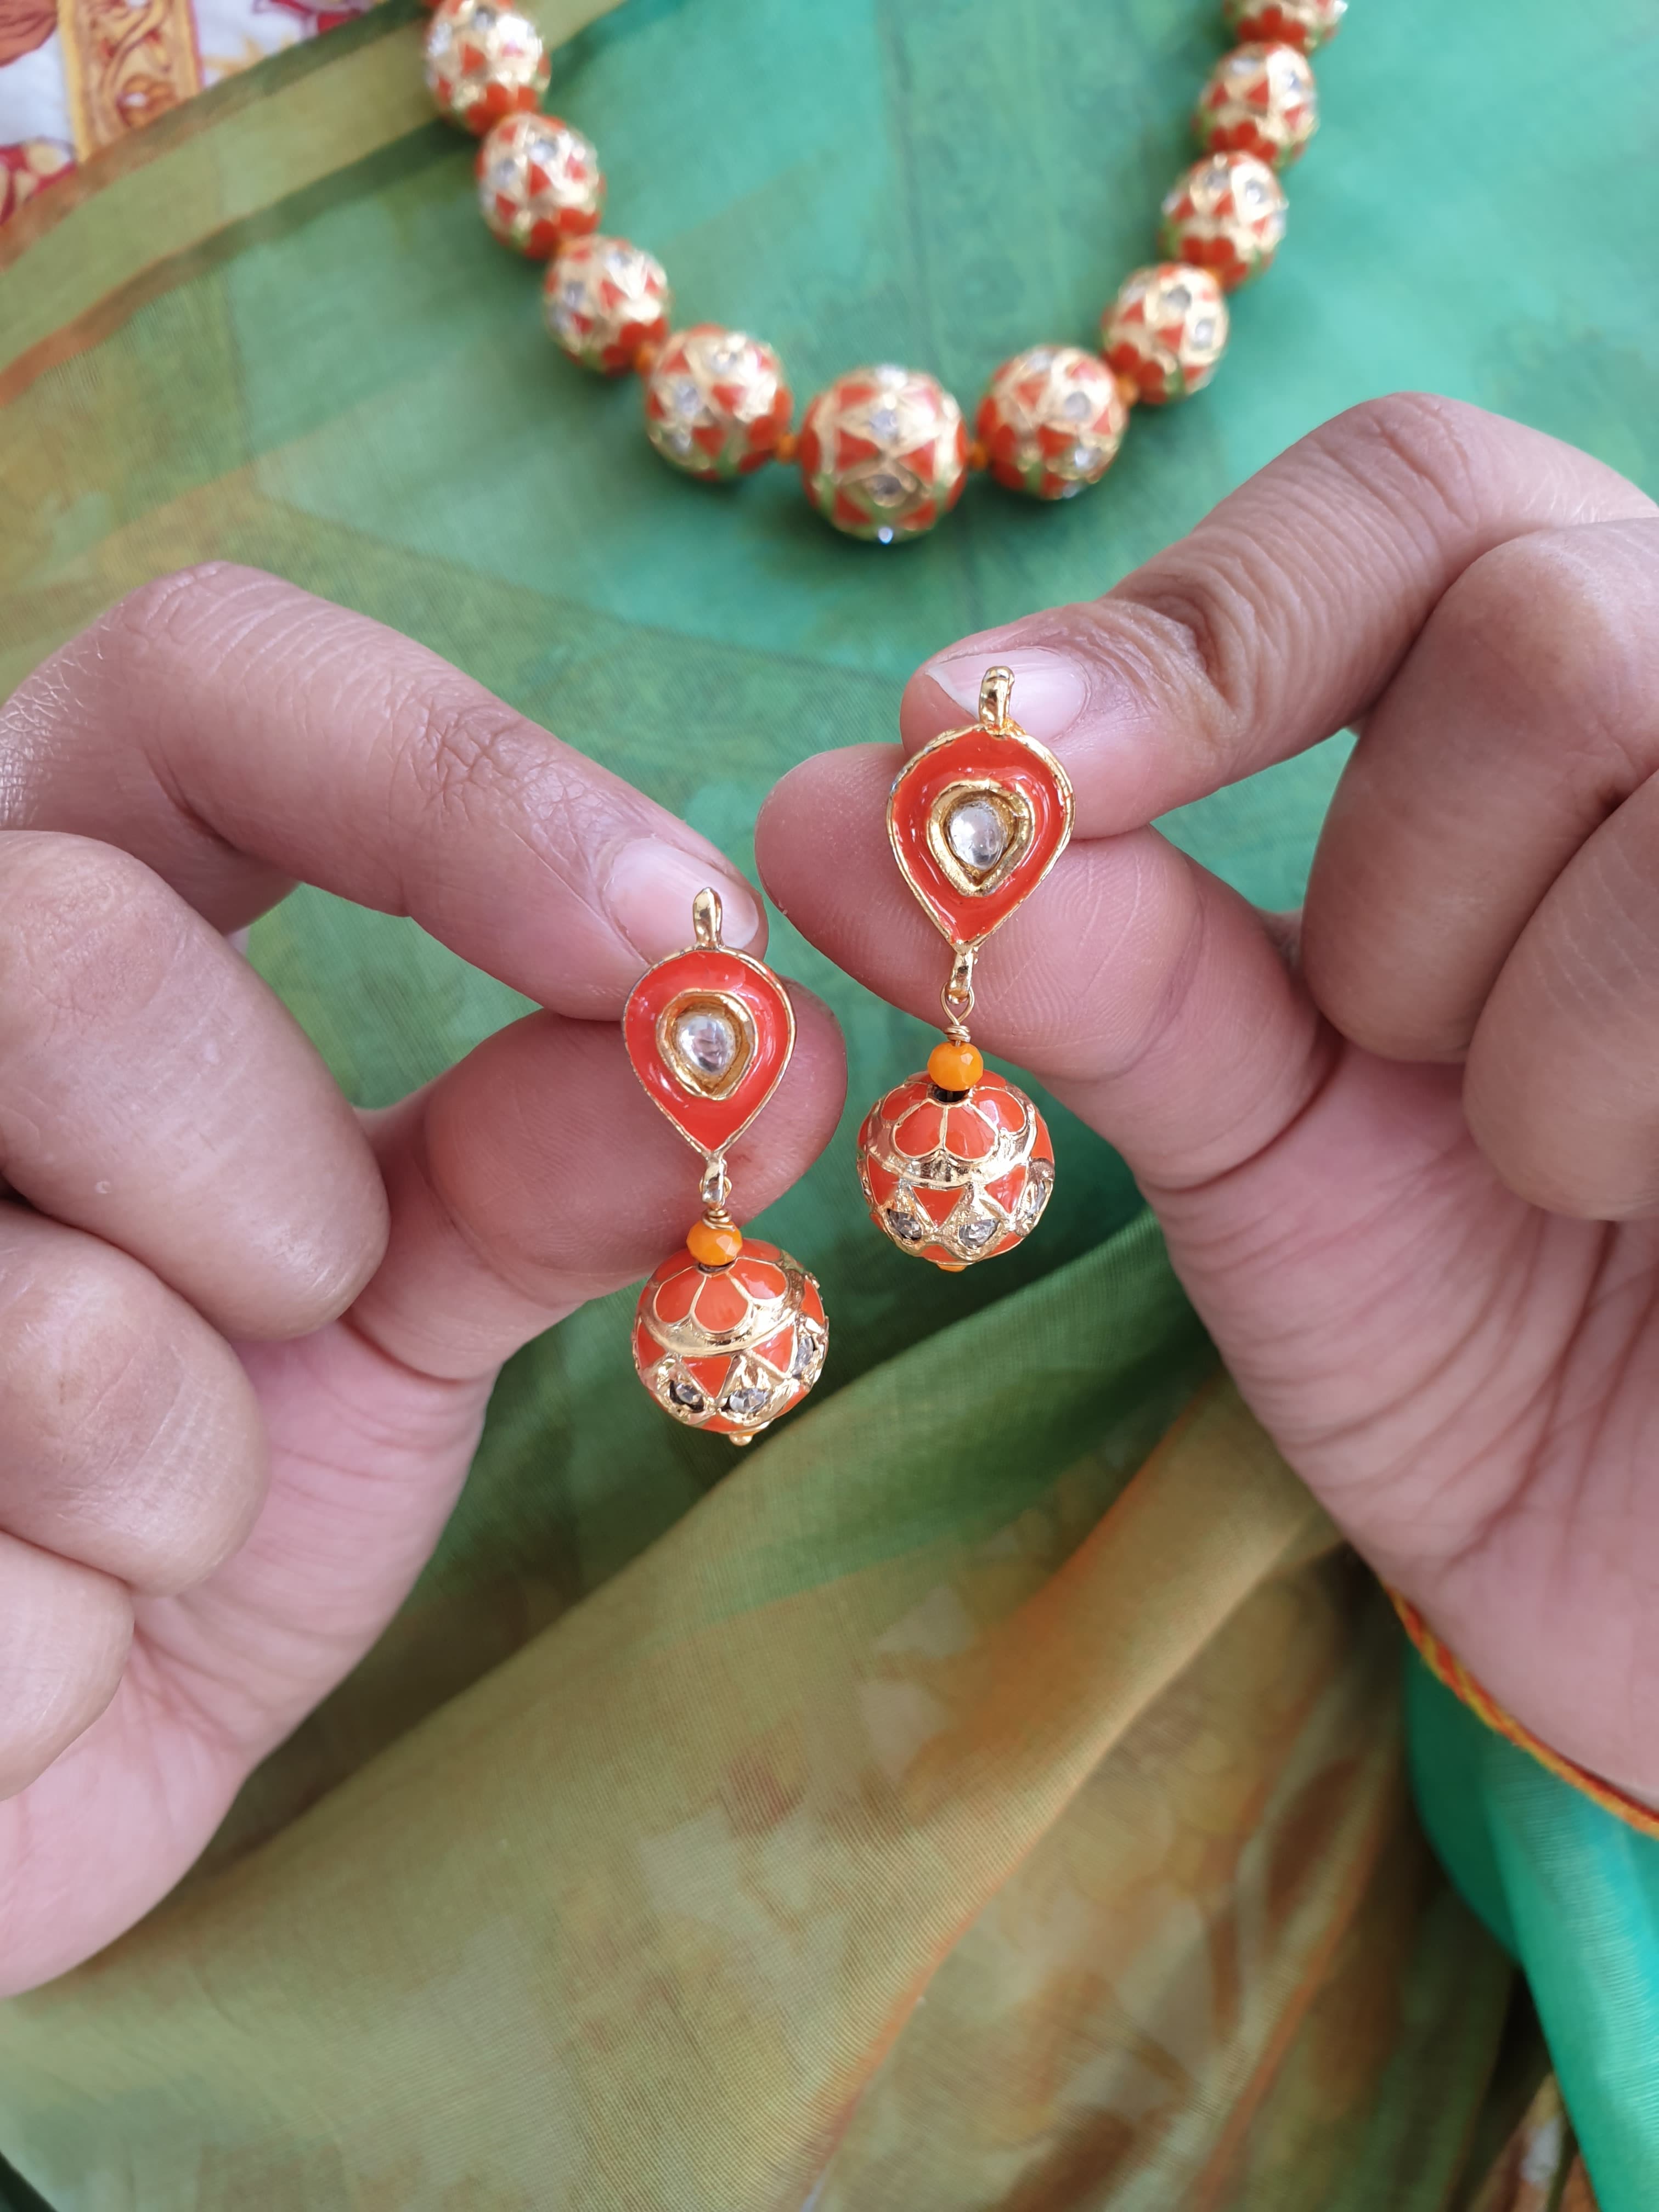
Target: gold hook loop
[706, 918]
[716, 1188]
[958, 996]
[995, 687]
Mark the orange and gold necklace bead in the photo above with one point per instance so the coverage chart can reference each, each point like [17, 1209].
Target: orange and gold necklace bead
[885, 452]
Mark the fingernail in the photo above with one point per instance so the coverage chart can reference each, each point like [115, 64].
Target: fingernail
[1050, 692]
[648, 893]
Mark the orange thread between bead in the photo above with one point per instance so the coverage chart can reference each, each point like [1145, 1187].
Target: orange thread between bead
[787, 448]
[645, 358]
[1443, 1663]
[978, 455]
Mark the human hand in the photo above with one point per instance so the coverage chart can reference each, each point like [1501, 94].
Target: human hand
[247, 1337]
[1406, 1147]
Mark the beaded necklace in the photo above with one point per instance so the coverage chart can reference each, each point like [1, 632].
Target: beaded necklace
[885, 452]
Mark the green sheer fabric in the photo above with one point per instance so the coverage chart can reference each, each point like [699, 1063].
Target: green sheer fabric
[617, 1874]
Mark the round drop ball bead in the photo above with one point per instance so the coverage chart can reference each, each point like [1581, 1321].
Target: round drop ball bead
[1259, 100]
[730, 1347]
[483, 62]
[1051, 422]
[716, 403]
[884, 454]
[539, 183]
[1304, 23]
[1166, 332]
[954, 1175]
[1226, 215]
[603, 299]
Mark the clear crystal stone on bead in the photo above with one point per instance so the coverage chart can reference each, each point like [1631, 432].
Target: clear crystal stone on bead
[977, 1230]
[1178, 297]
[706, 1041]
[742, 1404]
[977, 833]
[1039, 1182]
[806, 1350]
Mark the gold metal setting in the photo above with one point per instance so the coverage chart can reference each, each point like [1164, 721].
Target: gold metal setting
[1016, 817]
[685, 1073]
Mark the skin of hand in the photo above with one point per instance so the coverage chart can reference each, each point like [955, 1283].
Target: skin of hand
[247, 1335]
[1405, 1147]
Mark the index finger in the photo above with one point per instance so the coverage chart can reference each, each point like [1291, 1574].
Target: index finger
[234, 732]
[1281, 617]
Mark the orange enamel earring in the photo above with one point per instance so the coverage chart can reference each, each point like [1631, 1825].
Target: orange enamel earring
[957, 1163]
[730, 1332]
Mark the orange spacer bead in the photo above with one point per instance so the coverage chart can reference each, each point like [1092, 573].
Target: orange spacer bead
[979, 454]
[955, 1067]
[645, 360]
[713, 1245]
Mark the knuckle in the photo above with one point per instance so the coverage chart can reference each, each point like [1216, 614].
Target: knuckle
[1551, 623]
[1199, 623]
[1426, 457]
[63, 1644]
[86, 932]
[462, 755]
[462, 750]
[78, 1381]
[132, 1438]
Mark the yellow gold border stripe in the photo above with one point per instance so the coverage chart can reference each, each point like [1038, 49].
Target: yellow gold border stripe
[143, 214]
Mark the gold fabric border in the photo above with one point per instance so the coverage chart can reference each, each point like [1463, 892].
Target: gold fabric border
[147, 211]
[126, 62]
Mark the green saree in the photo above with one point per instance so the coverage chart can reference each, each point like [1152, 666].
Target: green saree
[992, 1792]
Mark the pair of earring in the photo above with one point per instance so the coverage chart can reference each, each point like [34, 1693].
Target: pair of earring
[955, 1165]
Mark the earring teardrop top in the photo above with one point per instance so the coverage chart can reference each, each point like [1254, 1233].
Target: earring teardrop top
[977, 818]
[709, 1032]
